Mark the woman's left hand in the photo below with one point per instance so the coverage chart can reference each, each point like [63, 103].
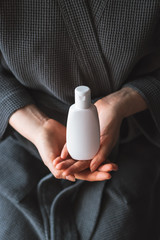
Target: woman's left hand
[110, 121]
[112, 109]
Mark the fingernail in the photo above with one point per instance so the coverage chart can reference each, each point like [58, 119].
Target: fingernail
[109, 177]
[71, 178]
[116, 168]
[93, 168]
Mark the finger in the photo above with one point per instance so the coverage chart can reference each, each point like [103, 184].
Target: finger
[57, 161]
[64, 152]
[77, 167]
[108, 167]
[87, 175]
[56, 173]
[59, 173]
[71, 178]
[65, 164]
[100, 157]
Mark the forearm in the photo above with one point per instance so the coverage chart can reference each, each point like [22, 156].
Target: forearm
[28, 121]
[126, 102]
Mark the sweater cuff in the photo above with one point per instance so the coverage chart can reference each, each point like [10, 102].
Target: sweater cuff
[11, 103]
[148, 120]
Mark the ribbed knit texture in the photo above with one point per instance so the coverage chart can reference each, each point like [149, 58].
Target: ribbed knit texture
[54, 46]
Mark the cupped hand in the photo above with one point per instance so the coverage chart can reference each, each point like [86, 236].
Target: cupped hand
[80, 169]
[49, 142]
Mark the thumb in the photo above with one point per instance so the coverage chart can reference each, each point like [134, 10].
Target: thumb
[64, 152]
[100, 157]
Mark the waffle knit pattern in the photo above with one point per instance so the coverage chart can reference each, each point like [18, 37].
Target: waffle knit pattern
[54, 46]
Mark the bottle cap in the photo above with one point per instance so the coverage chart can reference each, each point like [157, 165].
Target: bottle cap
[82, 97]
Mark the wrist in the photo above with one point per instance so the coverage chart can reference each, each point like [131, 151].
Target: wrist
[28, 121]
[126, 102]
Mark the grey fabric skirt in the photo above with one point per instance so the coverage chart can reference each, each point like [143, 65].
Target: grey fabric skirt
[36, 206]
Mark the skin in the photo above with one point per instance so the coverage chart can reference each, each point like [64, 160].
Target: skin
[49, 136]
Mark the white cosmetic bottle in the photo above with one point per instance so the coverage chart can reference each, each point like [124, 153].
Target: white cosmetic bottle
[83, 132]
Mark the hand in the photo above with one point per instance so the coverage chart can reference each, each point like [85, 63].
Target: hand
[46, 134]
[112, 109]
[110, 122]
[80, 169]
[49, 142]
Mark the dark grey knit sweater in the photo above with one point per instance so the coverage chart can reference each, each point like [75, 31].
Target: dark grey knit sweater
[47, 48]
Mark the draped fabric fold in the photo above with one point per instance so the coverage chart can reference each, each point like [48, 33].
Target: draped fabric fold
[85, 42]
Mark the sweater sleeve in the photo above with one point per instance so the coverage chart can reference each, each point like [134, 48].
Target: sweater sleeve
[149, 120]
[13, 96]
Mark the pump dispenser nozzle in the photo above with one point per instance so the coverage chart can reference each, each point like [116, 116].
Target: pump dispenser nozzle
[82, 97]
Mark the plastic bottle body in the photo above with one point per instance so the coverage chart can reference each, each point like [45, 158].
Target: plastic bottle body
[83, 133]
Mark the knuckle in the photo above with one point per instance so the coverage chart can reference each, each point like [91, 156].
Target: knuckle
[57, 175]
[66, 173]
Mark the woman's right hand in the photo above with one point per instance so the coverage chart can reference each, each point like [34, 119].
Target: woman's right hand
[49, 142]
[46, 134]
